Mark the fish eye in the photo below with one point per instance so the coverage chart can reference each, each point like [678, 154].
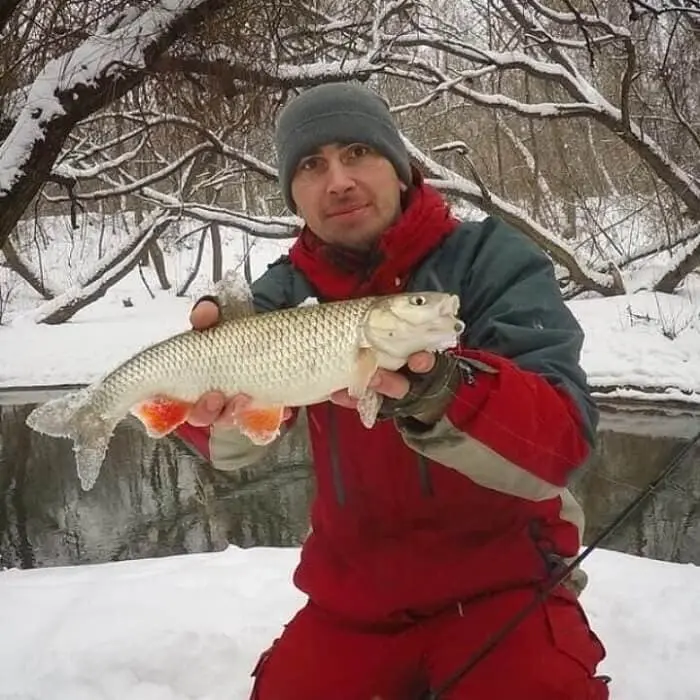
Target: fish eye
[419, 300]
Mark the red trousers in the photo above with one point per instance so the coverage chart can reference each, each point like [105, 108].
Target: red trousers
[551, 655]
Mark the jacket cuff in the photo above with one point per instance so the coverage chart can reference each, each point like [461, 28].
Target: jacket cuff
[478, 375]
[196, 437]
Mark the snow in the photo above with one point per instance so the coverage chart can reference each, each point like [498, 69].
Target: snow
[108, 331]
[628, 352]
[192, 626]
[639, 346]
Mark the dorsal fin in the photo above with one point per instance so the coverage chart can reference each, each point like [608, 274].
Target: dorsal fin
[235, 297]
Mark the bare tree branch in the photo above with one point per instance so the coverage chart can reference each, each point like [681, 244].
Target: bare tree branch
[449, 181]
[68, 90]
[20, 268]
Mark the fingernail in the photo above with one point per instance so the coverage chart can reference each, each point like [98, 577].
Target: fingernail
[209, 298]
[423, 363]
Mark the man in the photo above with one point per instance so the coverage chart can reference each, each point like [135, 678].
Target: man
[431, 530]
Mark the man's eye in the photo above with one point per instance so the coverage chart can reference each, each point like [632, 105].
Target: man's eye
[308, 164]
[358, 150]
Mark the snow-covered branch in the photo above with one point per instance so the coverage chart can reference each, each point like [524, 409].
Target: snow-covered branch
[87, 172]
[683, 260]
[236, 76]
[25, 269]
[273, 227]
[577, 18]
[589, 103]
[561, 71]
[449, 181]
[105, 273]
[130, 187]
[100, 70]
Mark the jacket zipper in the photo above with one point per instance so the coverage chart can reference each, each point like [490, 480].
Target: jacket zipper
[426, 485]
[334, 448]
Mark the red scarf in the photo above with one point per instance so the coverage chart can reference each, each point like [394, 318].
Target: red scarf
[341, 274]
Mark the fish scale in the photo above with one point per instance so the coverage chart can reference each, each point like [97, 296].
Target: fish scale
[310, 347]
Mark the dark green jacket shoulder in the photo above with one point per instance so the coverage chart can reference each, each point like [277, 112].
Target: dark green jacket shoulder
[280, 287]
[510, 302]
[512, 305]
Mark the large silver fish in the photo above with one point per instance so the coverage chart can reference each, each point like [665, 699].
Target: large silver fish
[286, 358]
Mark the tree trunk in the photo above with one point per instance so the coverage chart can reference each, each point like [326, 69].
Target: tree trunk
[17, 266]
[156, 254]
[195, 267]
[216, 253]
[77, 102]
[673, 277]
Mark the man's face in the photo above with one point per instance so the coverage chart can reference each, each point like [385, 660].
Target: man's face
[347, 195]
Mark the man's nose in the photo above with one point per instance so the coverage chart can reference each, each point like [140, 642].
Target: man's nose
[339, 180]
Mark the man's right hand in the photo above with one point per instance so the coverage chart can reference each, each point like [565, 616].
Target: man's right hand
[214, 408]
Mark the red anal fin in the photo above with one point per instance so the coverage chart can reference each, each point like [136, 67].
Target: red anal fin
[161, 414]
[261, 425]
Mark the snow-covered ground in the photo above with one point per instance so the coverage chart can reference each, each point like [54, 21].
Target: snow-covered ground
[191, 627]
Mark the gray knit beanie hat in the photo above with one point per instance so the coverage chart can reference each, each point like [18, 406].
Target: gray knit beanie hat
[336, 113]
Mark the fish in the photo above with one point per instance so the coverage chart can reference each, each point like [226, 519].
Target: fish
[282, 359]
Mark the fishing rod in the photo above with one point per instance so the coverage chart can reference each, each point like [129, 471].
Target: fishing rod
[492, 642]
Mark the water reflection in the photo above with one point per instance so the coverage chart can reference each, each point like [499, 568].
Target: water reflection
[154, 498]
[634, 447]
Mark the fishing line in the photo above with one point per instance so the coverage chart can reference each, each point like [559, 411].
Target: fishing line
[542, 594]
[669, 484]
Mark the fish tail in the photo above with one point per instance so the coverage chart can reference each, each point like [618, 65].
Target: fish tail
[77, 417]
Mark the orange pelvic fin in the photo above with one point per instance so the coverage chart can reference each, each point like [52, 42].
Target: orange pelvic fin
[260, 424]
[160, 415]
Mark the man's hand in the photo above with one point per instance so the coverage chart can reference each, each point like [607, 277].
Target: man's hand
[214, 408]
[417, 395]
[388, 383]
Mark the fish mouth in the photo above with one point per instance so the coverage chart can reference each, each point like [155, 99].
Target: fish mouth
[444, 338]
[445, 333]
[449, 322]
[449, 306]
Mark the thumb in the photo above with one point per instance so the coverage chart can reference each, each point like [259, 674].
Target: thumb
[421, 362]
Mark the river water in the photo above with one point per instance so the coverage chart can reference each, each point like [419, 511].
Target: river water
[155, 498]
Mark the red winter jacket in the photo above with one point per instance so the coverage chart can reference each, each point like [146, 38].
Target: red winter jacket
[404, 524]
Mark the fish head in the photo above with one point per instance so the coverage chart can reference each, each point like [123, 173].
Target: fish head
[402, 324]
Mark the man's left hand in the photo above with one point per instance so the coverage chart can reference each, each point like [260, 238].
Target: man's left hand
[422, 389]
[388, 383]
